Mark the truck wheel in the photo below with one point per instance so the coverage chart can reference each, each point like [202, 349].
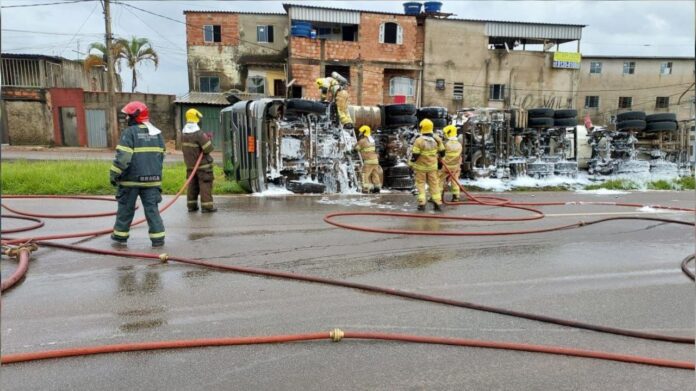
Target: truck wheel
[541, 112]
[630, 115]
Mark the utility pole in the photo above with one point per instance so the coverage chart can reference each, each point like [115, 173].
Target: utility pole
[111, 98]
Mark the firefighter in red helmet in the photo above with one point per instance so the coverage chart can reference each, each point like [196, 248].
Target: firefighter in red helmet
[137, 172]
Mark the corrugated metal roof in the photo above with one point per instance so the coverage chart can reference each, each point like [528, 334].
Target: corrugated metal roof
[290, 6]
[204, 98]
[533, 30]
[512, 22]
[600, 56]
[232, 12]
[317, 14]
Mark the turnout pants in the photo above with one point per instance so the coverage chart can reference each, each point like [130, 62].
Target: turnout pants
[445, 180]
[201, 184]
[342, 107]
[432, 178]
[149, 197]
[371, 177]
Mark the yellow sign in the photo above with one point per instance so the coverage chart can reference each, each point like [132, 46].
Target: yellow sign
[566, 60]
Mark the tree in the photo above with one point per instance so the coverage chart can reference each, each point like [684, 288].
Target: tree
[96, 57]
[136, 51]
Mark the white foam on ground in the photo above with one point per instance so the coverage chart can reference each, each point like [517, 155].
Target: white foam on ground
[648, 209]
[602, 192]
[272, 191]
[367, 201]
[500, 185]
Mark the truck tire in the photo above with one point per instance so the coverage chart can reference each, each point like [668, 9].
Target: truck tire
[632, 124]
[402, 109]
[305, 187]
[661, 117]
[661, 126]
[432, 112]
[540, 122]
[565, 122]
[568, 113]
[439, 123]
[305, 106]
[630, 115]
[400, 120]
[541, 112]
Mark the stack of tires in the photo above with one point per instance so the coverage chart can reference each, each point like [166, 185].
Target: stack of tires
[398, 177]
[394, 116]
[436, 114]
[630, 121]
[295, 107]
[566, 118]
[661, 122]
[541, 117]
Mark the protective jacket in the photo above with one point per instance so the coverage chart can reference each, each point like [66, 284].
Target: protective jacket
[366, 147]
[192, 144]
[427, 148]
[139, 157]
[453, 154]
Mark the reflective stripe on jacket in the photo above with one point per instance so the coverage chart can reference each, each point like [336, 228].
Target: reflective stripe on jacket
[139, 158]
[427, 147]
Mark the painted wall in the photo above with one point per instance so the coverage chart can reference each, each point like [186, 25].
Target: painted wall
[68, 97]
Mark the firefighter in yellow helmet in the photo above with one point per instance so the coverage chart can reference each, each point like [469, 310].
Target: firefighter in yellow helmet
[425, 154]
[193, 143]
[452, 162]
[333, 90]
[372, 172]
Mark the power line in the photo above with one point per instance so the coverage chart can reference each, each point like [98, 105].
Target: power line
[48, 32]
[42, 4]
[80, 28]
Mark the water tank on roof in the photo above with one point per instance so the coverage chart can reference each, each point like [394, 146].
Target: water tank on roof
[432, 7]
[412, 8]
[300, 28]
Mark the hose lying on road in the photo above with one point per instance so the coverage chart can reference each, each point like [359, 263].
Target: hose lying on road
[338, 335]
[685, 267]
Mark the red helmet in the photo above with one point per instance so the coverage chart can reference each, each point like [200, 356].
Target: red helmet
[137, 110]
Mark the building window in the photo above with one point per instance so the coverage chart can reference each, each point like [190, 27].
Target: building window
[591, 102]
[340, 69]
[625, 102]
[458, 91]
[209, 84]
[662, 102]
[391, 33]
[629, 67]
[401, 86]
[595, 67]
[296, 92]
[666, 68]
[212, 33]
[264, 34]
[256, 84]
[440, 84]
[497, 92]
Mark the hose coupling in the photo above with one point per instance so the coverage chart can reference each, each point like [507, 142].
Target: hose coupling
[164, 257]
[13, 252]
[336, 334]
[581, 223]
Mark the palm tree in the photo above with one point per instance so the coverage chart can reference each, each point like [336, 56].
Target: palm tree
[136, 51]
[96, 57]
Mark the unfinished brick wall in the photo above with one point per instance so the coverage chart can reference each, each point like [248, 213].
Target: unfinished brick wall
[342, 50]
[372, 85]
[370, 48]
[305, 48]
[305, 76]
[228, 22]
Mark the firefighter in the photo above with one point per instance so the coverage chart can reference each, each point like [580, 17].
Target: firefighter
[372, 172]
[137, 172]
[193, 143]
[333, 90]
[452, 162]
[425, 154]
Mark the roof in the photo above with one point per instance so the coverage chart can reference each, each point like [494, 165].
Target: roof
[265, 64]
[287, 6]
[232, 12]
[34, 57]
[586, 56]
[513, 22]
[204, 98]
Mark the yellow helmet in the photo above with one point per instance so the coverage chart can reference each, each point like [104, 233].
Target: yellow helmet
[450, 131]
[193, 115]
[320, 82]
[365, 130]
[426, 126]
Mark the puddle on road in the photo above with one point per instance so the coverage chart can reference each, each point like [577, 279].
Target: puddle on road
[141, 325]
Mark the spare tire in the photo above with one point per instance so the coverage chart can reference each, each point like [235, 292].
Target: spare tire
[540, 122]
[630, 115]
[568, 113]
[662, 126]
[661, 117]
[633, 124]
[400, 120]
[401, 109]
[305, 106]
[565, 122]
[541, 112]
[432, 112]
[305, 187]
[439, 123]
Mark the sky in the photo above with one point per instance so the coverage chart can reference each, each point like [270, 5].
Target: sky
[645, 28]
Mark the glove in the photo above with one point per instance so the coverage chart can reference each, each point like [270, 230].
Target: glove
[414, 157]
[113, 178]
[439, 164]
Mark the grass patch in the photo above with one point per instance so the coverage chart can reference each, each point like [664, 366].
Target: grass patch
[88, 177]
[613, 184]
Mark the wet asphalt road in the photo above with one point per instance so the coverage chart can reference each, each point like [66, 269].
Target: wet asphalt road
[621, 274]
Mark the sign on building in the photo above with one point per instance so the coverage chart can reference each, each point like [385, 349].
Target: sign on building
[566, 60]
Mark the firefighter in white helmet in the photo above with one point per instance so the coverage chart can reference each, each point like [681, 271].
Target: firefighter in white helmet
[372, 172]
[451, 169]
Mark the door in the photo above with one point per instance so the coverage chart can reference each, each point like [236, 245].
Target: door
[68, 127]
[96, 128]
[279, 87]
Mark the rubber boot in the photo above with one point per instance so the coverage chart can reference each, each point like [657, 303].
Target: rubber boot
[209, 210]
[421, 207]
[455, 198]
[437, 207]
[376, 190]
[158, 243]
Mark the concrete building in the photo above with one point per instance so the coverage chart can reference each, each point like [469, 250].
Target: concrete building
[613, 84]
[379, 53]
[471, 63]
[236, 50]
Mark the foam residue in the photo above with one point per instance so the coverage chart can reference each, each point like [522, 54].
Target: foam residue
[602, 192]
[364, 201]
[273, 191]
[500, 185]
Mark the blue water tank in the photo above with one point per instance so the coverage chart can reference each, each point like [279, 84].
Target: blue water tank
[412, 8]
[300, 28]
[433, 6]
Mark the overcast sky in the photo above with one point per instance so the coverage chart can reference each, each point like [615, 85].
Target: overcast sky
[664, 28]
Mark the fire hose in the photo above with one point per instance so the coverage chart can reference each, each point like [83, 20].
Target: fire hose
[480, 200]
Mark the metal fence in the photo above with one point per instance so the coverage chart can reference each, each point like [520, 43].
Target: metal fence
[39, 73]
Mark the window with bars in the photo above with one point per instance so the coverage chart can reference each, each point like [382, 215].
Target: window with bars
[662, 102]
[497, 92]
[256, 84]
[591, 102]
[666, 68]
[401, 86]
[212, 33]
[458, 91]
[264, 34]
[625, 102]
[629, 67]
[596, 67]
